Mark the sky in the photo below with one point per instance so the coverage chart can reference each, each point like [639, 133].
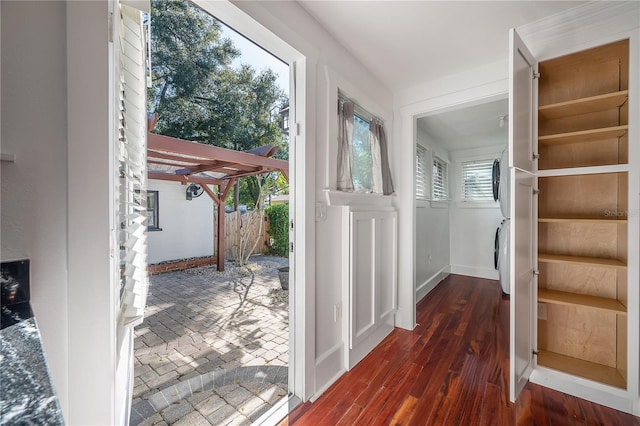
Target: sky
[258, 58]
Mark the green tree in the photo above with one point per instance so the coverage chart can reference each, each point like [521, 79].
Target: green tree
[197, 93]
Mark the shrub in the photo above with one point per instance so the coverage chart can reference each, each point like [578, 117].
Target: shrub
[278, 215]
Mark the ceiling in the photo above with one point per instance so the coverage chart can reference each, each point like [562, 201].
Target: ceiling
[467, 128]
[406, 43]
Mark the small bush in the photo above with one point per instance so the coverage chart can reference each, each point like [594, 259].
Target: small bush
[278, 215]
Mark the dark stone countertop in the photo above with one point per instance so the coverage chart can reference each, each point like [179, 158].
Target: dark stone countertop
[27, 396]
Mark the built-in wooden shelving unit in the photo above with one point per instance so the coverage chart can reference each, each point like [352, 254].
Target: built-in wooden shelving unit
[583, 178]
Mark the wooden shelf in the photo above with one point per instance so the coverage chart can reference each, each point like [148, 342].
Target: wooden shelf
[581, 300]
[589, 170]
[584, 135]
[584, 105]
[579, 220]
[579, 367]
[586, 261]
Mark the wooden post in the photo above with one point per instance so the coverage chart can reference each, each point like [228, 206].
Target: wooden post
[220, 232]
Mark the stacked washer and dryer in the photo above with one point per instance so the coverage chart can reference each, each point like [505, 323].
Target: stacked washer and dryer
[501, 243]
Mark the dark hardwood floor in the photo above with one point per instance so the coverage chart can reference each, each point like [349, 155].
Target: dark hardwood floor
[451, 370]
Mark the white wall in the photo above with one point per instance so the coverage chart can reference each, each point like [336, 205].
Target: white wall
[432, 233]
[55, 197]
[34, 188]
[186, 226]
[473, 224]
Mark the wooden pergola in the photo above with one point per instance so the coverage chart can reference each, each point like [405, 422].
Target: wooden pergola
[188, 162]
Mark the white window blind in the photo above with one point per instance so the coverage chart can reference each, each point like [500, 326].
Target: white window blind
[477, 182]
[422, 175]
[132, 160]
[440, 180]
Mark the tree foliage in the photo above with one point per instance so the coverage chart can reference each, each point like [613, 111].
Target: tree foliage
[198, 94]
[278, 215]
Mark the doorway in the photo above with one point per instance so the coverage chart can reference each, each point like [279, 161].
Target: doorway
[455, 151]
[272, 369]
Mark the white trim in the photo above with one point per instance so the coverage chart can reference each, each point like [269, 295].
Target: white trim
[92, 287]
[431, 283]
[582, 388]
[406, 137]
[474, 271]
[590, 23]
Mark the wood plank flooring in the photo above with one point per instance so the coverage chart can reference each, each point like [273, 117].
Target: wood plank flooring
[451, 370]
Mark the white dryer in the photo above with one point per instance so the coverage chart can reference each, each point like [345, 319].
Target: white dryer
[502, 254]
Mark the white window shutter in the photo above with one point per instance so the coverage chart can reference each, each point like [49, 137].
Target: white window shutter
[132, 156]
[440, 180]
[422, 176]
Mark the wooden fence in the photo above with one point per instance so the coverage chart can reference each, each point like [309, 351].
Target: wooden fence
[244, 229]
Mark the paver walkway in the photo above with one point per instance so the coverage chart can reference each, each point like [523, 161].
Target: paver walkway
[213, 348]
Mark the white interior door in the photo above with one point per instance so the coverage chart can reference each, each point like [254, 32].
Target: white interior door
[523, 211]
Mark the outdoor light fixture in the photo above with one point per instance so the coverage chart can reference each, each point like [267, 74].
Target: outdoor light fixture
[194, 191]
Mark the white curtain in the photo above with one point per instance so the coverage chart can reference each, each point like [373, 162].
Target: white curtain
[345, 146]
[380, 172]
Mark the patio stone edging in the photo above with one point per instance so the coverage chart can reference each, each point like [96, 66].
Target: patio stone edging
[145, 408]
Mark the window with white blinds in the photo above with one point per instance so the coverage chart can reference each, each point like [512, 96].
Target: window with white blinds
[440, 180]
[476, 180]
[132, 164]
[422, 174]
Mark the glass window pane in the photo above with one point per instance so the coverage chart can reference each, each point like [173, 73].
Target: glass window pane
[361, 155]
[477, 182]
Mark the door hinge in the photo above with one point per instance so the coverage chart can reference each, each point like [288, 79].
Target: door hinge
[297, 129]
[536, 272]
[291, 247]
[536, 75]
[535, 156]
[291, 225]
[535, 352]
[536, 191]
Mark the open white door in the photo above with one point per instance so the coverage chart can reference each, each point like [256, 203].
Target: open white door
[523, 211]
[523, 101]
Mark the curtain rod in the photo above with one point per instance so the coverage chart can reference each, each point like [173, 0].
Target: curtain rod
[359, 109]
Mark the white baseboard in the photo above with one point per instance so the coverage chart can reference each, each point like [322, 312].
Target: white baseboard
[329, 368]
[472, 271]
[423, 289]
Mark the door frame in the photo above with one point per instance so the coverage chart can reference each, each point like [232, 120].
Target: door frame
[301, 318]
[407, 135]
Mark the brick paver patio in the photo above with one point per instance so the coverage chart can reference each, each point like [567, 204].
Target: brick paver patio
[213, 348]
